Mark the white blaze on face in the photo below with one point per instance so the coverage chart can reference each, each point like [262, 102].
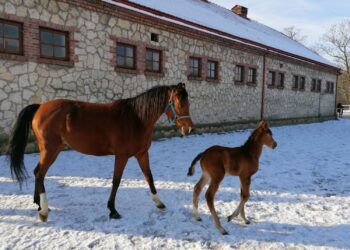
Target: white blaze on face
[44, 205]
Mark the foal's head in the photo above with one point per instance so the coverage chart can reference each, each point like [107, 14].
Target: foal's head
[266, 135]
[178, 108]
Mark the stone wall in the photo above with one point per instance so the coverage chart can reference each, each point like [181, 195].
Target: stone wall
[91, 74]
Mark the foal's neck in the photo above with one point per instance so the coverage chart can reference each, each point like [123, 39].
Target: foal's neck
[254, 148]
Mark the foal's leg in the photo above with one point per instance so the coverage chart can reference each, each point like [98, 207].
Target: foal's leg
[196, 192]
[245, 184]
[210, 194]
[143, 161]
[48, 155]
[119, 166]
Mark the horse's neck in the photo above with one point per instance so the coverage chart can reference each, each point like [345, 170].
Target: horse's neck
[254, 149]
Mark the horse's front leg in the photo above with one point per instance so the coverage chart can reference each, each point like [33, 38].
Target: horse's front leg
[119, 166]
[245, 193]
[143, 161]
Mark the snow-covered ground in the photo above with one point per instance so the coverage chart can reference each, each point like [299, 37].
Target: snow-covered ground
[300, 198]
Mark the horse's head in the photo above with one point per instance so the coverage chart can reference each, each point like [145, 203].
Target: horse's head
[178, 108]
[266, 135]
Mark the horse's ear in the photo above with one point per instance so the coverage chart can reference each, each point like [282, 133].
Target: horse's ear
[263, 124]
[181, 85]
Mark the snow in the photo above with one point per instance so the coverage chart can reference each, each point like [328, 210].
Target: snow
[221, 19]
[300, 198]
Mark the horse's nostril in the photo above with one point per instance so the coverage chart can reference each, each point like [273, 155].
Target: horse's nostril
[274, 145]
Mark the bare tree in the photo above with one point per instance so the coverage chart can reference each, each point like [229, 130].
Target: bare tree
[335, 43]
[295, 34]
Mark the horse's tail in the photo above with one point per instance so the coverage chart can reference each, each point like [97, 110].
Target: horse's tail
[18, 141]
[193, 164]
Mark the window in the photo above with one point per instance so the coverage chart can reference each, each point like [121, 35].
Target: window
[330, 87]
[295, 82]
[53, 44]
[153, 60]
[319, 83]
[302, 83]
[239, 74]
[251, 75]
[154, 37]
[194, 66]
[271, 79]
[10, 37]
[125, 56]
[281, 78]
[212, 70]
[313, 84]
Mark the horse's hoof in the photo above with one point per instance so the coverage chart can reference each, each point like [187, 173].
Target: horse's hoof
[43, 218]
[223, 232]
[229, 218]
[247, 222]
[198, 218]
[114, 215]
[161, 206]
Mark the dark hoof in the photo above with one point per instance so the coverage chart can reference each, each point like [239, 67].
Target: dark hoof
[247, 222]
[114, 215]
[224, 233]
[229, 218]
[161, 206]
[43, 218]
[198, 219]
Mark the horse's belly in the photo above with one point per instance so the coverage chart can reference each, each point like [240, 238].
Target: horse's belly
[89, 144]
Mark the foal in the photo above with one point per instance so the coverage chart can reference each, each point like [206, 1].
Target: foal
[242, 161]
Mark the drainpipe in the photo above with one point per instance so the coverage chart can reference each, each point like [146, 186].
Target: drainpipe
[336, 95]
[263, 88]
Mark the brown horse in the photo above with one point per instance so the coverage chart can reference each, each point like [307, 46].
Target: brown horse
[122, 128]
[217, 161]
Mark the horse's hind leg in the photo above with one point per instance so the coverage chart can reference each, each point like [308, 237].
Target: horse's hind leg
[196, 192]
[143, 161]
[49, 149]
[119, 166]
[210, 194]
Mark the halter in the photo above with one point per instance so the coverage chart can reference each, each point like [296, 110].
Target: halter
[171, 106]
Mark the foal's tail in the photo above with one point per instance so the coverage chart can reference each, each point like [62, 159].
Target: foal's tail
[193, 164]
[18, 141]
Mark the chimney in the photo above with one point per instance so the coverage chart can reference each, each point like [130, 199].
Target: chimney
[241, 11]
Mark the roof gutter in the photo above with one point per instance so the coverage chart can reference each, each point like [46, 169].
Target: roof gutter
[218, 32]
[263, 88]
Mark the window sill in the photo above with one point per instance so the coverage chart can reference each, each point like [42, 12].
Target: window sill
[214, 80]
[195, 78]
[15, 57]
[126, 70]
[56, 62]
[251, 84]
[280, 87]
[239, 83]
[271, 86]
[154, 73]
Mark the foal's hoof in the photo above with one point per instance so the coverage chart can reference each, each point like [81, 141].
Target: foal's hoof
[114, 215]
[161, 206]
[223, 231]
[247, 222]
[43, 218]
[198, 218]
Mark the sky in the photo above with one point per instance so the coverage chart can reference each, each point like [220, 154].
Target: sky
[312, 17]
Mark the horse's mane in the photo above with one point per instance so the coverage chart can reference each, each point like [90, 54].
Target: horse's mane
[149, 103]
[252, 138]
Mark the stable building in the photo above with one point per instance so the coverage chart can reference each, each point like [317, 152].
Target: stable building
[236, 69]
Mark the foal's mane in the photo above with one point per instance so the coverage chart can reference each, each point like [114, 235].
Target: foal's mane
[150, 102]
[252, 139]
